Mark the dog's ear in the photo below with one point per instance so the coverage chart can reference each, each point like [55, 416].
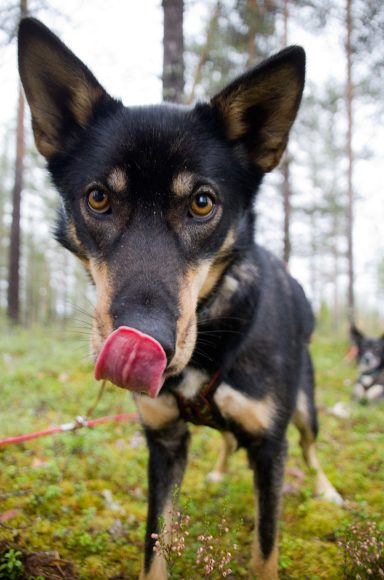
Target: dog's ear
[62, 93]
[260, 106]
[356, 336]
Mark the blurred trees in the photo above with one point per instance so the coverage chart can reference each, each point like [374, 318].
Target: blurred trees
[38, 279]
[307, 210]
[13, 294]
[317, 200]
[173, 51]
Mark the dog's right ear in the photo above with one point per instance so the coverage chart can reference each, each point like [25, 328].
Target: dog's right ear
[62, 93]
[259, 107]
[356, 335]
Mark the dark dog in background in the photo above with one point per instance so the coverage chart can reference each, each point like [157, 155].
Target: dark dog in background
[204, 325]
[369, 386]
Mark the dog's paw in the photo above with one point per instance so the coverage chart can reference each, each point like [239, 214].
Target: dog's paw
[375, 393]
[332, 496]
[325, 490]
[215, 476]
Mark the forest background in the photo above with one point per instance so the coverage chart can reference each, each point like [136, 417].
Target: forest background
[322, 212]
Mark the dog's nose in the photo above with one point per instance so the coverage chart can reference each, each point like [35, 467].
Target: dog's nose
[154, 327]
[168, 348]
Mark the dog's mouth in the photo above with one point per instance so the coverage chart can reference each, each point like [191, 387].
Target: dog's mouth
[132, 360]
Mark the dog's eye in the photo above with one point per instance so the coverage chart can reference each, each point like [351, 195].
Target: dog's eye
[202, 205]
[98, 201]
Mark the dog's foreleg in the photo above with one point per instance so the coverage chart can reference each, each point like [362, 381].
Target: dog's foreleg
[227, 448]
[168, 449]
[267, 461]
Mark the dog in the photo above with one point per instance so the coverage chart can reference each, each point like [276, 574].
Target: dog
[369, 353]
[193, 317]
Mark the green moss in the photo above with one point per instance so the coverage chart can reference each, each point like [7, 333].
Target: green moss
[54, 488]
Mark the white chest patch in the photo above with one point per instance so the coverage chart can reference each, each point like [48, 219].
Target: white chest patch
[192, 382]
[156, 413]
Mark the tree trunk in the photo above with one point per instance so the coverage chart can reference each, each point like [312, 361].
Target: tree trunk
[14, 247]
[287, 190]
[173, 51]
[254, 15]
[350, 216]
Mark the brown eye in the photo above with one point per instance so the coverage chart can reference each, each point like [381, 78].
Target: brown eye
[98, 201]
[202, 206]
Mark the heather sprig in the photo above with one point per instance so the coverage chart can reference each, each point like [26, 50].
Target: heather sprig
[213, 554]
[363, 547]
[170, 541]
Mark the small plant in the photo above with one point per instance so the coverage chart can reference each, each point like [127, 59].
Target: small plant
[170, 542]
[11, 566]
[212, 555]
[363, 546]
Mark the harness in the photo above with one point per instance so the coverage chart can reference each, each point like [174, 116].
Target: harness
[201, 409]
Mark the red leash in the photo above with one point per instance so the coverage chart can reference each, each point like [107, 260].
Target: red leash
[131, 417]
[78, 424]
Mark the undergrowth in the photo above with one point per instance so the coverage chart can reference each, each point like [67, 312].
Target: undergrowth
[82, 494]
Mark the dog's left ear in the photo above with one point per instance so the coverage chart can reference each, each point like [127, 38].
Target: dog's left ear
[259, 107]
[62, 93]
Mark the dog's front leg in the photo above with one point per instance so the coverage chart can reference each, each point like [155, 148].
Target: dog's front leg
[168, 448]
[267, 461]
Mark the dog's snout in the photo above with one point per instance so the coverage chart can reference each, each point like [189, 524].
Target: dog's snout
[168, 347]
[155, 326]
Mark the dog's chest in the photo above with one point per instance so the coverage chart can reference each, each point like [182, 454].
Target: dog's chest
[195, 399]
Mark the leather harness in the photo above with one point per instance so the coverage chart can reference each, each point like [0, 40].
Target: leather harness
[201, 409]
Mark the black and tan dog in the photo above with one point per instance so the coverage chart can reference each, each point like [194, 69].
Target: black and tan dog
[369, 354]
[201, 323]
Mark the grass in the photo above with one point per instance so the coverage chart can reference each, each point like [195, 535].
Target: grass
[83, 494]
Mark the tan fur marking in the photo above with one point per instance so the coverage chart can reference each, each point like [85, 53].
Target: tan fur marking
[193, 382]
[323, 487]
[156, 413]
[228, 446]
[182, 184]
[158, 569]
[102, 326]
[264, 569]
[217, 268]
[117, 180]
[214, 274]
[186, 327]
[253, 416]
[72, 234]
[227, 244]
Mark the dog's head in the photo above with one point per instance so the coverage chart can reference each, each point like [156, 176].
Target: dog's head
[156, 201]
[369, 351]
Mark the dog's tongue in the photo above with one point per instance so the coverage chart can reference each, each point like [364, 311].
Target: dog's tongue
[132, 360]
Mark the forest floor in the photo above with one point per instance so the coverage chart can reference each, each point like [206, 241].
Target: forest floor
[78, 499]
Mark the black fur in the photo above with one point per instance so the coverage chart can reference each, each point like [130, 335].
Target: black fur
[369, 386]
[253, 322]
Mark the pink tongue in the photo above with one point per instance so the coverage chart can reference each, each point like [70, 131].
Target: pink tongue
[132, 360]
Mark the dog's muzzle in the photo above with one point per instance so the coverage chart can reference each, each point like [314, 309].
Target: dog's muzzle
[132, 360]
